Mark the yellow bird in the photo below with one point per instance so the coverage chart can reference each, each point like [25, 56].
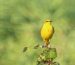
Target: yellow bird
[47, 31]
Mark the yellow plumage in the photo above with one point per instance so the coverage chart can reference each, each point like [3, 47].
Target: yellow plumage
[47, 31]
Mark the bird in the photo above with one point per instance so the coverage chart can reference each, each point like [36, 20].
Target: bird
[47, 31]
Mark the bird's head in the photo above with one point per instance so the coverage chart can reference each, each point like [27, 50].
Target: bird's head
[49, 21]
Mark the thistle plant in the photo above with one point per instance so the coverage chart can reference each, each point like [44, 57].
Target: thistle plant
[47, 57]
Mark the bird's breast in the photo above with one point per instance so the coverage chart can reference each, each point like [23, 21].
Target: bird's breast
[46, 31]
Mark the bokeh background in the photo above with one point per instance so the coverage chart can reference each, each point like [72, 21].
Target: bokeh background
[20, 24]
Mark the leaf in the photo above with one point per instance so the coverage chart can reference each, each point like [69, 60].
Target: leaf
[25, 49]
[50, 53]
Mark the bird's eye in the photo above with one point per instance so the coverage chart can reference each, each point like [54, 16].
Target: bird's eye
[47, 21]
[51, 21]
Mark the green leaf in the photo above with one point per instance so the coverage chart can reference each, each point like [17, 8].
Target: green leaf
[50, 53]
[53, 53]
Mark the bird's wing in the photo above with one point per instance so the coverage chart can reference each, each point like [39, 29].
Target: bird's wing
[53, 30]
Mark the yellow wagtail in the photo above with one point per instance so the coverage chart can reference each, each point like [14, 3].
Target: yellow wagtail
[47, 32]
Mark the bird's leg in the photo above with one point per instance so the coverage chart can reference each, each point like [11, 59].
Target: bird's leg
[49, 46]
[46, 44]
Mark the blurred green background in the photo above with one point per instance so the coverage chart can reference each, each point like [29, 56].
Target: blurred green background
[20, 24]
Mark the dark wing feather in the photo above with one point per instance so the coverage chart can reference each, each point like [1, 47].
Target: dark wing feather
[52, 32]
